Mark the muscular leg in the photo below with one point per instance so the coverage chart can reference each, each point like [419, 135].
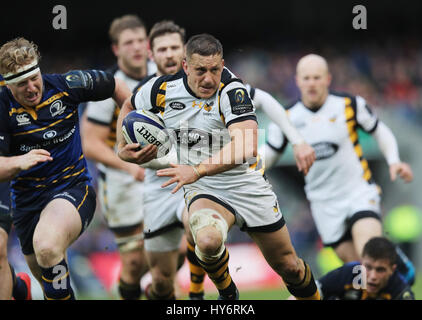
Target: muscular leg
[59, 226]
[346, 251]
[163, 268]
[209, 224]
[363, 230]
[134, 264]
[281, 256]
[197, 273]
[5, 273]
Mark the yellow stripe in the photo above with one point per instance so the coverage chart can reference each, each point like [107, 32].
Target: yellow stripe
[161, 98]
[196, 269]
[219, 109]
[33, 111]
[354, 138]
[51, 100]
[67, 298]
[51, 281]
[358, 150]
[32, 178]
[2, 83]
[65, 177]
[83, 200]
[44, 128]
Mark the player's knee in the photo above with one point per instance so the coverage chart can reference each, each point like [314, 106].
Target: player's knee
[134, 264]
[163, 282]
[209, 229]
[47, 254]
[209, 240]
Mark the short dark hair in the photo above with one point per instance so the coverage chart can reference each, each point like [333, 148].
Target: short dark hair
[380, 248]
[205, 45]
[129, 21]
[164, 27]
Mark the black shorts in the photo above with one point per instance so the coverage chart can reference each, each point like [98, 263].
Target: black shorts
[81, 195]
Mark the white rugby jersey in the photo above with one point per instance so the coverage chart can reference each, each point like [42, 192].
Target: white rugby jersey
[331, 130]
[199, 126]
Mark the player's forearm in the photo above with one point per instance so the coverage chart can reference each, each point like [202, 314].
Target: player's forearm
[9, 168]
[242, 147]
[126, 108]
[121, 92]
[387, 143]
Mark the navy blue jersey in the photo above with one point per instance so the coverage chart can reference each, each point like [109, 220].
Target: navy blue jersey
[339, 285]
[53, 125]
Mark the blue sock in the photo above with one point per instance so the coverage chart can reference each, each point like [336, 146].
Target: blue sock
[56, 282]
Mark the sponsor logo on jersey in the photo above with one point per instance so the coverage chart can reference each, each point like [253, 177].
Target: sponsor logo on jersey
[23, 119]
[324, 150]
[177, 105]
[57, 108]
[49, 134]
[193, 137]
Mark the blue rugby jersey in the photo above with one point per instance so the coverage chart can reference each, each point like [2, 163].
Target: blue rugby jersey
[53, 125]
[339, 285]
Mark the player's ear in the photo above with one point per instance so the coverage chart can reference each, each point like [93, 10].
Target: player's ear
[329, 78]
[185, 65]
[115, 49]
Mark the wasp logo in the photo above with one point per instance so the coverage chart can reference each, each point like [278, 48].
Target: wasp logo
[239, 96]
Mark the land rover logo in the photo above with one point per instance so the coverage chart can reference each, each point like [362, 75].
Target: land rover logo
[177, 105]
[49, 135]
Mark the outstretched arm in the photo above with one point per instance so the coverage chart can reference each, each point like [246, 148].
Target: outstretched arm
[389, 148]
[304, 154]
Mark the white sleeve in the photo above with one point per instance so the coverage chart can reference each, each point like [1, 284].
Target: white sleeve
[275, 111]
[142, 98]
[365, 117]
[268, 155]
[235, 104]
[101, 112]
[387, 143]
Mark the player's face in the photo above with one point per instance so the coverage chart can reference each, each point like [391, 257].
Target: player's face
[204, 74]
[168, 53]
[378, 272]
[313, 81]
[28, 92]
[132, 48]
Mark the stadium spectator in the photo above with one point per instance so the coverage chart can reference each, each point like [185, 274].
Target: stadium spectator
[344, 199]
[217, 192]
[120, 186]
[53, 200]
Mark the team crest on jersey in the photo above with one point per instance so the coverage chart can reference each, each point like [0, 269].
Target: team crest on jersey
[208, 106]
[57, 108]
[23, 119]
[240, 101]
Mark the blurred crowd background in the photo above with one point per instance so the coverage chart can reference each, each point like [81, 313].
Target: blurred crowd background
[262, 46]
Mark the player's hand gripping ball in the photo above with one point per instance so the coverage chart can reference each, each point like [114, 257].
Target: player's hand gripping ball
[144, 127]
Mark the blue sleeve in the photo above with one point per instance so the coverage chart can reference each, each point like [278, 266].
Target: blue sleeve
[334, 282]
[89, 85]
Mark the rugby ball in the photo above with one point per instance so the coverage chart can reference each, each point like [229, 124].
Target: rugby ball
[144, 127]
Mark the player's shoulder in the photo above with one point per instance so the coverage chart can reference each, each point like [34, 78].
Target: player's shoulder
[143, 82]
[398, 287]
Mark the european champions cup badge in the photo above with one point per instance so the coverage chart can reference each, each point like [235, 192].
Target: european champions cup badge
[239, 96]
